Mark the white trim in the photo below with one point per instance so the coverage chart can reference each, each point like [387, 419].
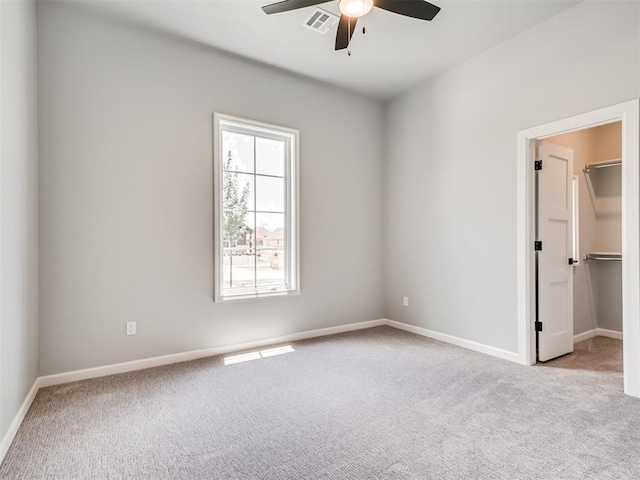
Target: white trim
[291, 137]
[575, 184]
[460, 342]
[124, 367]
[51, 380]
[17, 420]
[85, 374]
[76, 375]
[601, 332]
[113, 369]
[581, 337]
[67, 377]
[629, 114]
[2, 100]
[597, 332]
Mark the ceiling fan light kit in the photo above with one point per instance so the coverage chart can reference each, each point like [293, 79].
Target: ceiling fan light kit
[353, 9]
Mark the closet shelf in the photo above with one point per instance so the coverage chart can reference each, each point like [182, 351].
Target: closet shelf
[606, 163]
[604, 256]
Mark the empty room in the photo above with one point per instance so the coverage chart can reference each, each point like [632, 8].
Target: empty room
[306, 239]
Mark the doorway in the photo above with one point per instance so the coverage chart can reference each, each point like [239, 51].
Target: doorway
[627, 114]
[579, 267]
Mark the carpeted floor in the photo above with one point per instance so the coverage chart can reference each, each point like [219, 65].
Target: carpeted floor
[374, 404]
[600, 354]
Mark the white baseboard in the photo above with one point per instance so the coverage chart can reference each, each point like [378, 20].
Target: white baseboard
[460, 342]
[597, 332]
[17, 421]
[74, 376]
[602, 332]
[67, 377]
[584, 336]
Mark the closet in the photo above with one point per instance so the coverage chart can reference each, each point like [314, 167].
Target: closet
[597, 237]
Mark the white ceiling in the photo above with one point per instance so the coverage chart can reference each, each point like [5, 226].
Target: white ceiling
[395, 54]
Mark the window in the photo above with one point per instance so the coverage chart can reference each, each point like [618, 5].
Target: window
[255, 209]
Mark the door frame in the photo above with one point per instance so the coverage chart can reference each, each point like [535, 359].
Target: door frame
[629, 114]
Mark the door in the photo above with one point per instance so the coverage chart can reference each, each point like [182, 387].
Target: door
[554, 270]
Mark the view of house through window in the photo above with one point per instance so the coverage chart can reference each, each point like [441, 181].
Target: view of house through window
[256, 221]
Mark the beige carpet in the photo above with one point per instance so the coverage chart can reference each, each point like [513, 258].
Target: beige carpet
[598, 354]
[375, 404]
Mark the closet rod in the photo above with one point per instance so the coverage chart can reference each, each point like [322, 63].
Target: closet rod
[604, 164]
[613, 257]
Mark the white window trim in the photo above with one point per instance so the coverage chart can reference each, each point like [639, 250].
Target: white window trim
[292, 176]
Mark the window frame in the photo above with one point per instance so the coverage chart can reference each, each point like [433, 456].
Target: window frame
[291, 137]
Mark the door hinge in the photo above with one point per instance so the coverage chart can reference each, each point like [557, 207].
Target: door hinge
[538, 326]
[537, 245]
[537, 165]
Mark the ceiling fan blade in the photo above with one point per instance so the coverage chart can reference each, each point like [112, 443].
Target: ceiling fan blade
[344, 34]
[420, 9]
[287, 5]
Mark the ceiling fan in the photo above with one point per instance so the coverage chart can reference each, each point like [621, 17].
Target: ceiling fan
[351, 10]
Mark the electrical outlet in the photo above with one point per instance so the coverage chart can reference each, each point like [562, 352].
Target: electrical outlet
[131, 328]
[405, 301]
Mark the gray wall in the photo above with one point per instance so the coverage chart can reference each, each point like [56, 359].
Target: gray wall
[597, 286]
[450, 174]
[126, 194]
[606, 188]
[18, 207]
[606, 185]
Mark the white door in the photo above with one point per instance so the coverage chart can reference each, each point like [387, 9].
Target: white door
[555, 231]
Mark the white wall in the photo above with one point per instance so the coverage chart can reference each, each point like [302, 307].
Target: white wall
[126, 194]
[450, 174]
[18, 207]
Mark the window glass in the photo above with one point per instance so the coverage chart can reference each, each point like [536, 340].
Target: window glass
[256, 226]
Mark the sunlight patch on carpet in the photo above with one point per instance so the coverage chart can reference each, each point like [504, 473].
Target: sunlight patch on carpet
[247, 357]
